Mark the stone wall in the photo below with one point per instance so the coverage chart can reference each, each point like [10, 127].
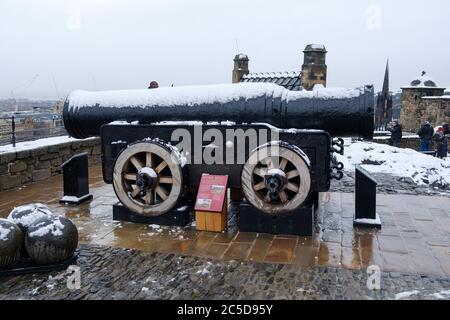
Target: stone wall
[26, 166]
[406, 143]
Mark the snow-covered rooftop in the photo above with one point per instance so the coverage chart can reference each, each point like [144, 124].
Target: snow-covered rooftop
[422, 81]
[241, 56]
[315, 47]
[267, 75]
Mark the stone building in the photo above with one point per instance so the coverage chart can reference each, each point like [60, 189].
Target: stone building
[423, 101]
[313, 72]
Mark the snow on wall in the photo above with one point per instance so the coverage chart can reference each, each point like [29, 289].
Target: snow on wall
[196, 95]
[30, 145]
[380, 158]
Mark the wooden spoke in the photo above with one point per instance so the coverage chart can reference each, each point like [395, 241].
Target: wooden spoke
[283, 196]
[137, 163]
[161, 192]
[283, 164]
[148, 159]
[270, 163]
[260, 172]
[293, 187]
[167, 180]
[267, 197]
[135, 192]
[292, 174]
[149, 197]
[161, 167]
[259, 186]
[130, 176]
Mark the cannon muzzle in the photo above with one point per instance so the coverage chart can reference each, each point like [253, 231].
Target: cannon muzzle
[341, 112]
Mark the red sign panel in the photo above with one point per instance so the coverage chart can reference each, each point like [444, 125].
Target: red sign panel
[211, 193]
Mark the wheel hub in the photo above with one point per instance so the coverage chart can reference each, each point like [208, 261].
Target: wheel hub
[275, 181]
[147, 178]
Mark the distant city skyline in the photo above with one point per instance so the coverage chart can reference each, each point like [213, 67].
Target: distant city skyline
[50, 48]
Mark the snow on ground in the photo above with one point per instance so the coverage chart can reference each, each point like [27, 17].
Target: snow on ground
[30, 145]
[406, 294]
[380, 158]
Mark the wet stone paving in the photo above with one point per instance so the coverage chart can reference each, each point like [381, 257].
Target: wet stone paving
[112, 273]
[121, 260]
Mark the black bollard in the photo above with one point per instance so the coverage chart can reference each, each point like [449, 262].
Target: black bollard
[365, 199]
[76, 179]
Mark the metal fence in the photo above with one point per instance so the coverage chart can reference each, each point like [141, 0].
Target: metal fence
[27, 127]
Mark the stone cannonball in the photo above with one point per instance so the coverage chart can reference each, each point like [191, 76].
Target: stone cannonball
[11, 239]
[24, 216]
[51, 239]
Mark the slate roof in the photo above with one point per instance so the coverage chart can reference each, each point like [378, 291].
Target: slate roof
[289, 80]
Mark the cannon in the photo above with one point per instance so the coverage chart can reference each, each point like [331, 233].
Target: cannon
[276, 145]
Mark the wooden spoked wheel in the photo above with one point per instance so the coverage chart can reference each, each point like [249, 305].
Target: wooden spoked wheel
[148, 178]
[276, 178]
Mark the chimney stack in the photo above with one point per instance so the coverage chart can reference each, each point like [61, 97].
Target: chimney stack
[314, 68]
[240, 67]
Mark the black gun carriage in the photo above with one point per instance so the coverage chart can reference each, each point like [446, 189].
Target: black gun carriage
[277, 146]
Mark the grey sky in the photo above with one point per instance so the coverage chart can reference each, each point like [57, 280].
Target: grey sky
[120, 44]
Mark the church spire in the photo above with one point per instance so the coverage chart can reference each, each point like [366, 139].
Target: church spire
[386, 80]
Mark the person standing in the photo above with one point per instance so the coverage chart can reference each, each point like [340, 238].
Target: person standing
[425, 133]
[396, 133]
[439, 139]
[446, 128]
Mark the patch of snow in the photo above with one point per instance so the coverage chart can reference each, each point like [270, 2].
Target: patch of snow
[445, 97]
[381, 158]
[375, 222]
[27, 214]
[5, 231]
[406, 294]
[74, 199]
[276, 171]
[119, 142]
[155, 226]
[55, 227]
[31, 145]
[150, 172]
[445, 294]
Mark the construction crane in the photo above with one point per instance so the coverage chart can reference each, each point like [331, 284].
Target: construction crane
[25, 88]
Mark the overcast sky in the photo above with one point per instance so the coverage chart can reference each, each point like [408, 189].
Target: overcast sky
[51, 47]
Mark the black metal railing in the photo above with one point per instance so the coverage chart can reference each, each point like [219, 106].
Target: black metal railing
[21, 127]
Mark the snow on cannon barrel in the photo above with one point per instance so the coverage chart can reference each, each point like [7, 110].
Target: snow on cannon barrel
[341, 112]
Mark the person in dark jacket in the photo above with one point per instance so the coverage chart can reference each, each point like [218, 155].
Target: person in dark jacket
[425, 133]
[439, 139]
[396, 133]
[446, 128]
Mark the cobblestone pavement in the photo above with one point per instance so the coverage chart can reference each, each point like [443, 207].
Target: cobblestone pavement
[412, 249]
[388, 184]
[108, 273]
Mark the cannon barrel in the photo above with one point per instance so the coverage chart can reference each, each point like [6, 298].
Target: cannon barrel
[341, 112]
